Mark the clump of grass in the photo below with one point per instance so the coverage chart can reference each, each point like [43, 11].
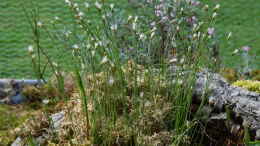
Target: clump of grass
[129, 94]
[141, 115]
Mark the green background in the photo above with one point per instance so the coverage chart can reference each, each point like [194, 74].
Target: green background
[241, 17]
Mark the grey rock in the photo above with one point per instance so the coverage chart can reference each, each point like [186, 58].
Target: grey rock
[2, 85]
[17, 142]
[221, 93]
[3, 93]
[41, 140]
[257, 134]
[17, 99]
[5, 101]
[10, 90]
[4, 82]
[221, 116]
[57, 119]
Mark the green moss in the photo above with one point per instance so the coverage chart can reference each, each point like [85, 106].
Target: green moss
[230, 74]
[12, 117]
[248, 84]
[255, 75]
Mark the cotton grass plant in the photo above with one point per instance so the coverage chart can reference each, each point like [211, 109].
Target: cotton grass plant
[135, 68]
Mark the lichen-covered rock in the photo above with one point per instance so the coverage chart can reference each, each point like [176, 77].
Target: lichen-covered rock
[11, 90]
[242, 102]
[3, 93]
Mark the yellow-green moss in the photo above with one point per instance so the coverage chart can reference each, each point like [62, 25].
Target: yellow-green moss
[248, 84]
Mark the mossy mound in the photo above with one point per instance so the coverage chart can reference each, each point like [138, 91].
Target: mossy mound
[11, 117]
[248, 84]
[255, 74]
[230, 74]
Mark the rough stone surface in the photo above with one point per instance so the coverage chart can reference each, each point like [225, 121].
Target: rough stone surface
[17, 142]
[4, 82]
[3, 93]
[17, 99]
[244, 103]
[57, 119]
[10, 90]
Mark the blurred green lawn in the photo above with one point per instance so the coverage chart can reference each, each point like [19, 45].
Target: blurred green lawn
[242, 17]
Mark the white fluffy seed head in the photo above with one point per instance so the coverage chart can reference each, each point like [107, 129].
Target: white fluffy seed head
[214, 15]
[86, 5]
[39, 24]
[111, 80]
[30, 49]
[54, 64]
[113, 27]
[75, 46]
[98, 5]
[104, 60]
[112, 6]
[206, 7]
[217, 7]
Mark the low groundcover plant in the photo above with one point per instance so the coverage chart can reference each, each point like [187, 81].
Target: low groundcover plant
[248, 84]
